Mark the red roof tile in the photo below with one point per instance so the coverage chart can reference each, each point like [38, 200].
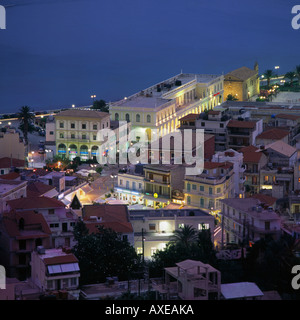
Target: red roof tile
[190, 117]
[10, 176]
[36, 189]
[35, 225]
[251, 154]
[263, 198]
[7, 162]
[213, 165]
[68, 258]
[287, 116]
[273, 134]
[35, 203]
[114, 217]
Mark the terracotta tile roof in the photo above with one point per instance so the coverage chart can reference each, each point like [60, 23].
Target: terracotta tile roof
[10, 176]
[35, 203]
[242, 73]
[282, 148]
[273, 134]
[7, 162]
[110, 216]
[213, 165]
[37, 189]
[35, 225]
[287, 116]
[241, 124]
[263, 198]
[190, 117]
[68, 258]
[251, 154]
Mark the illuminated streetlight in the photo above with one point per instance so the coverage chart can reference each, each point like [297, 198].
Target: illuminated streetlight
[93, 96]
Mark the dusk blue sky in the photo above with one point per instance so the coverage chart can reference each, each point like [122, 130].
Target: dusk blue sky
[55, 53]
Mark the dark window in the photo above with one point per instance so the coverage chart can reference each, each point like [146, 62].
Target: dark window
[84, 126]
[65, 227]
[72, 125]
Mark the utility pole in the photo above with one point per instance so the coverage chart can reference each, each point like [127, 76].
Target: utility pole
[143, 247]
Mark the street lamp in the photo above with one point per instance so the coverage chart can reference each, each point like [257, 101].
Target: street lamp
[93, 96]
[113, 176]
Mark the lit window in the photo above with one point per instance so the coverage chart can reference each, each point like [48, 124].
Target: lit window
[203, 226]
[181, 225]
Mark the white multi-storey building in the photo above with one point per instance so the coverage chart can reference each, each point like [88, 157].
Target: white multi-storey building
[162, 105]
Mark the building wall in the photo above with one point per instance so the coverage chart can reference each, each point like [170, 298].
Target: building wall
[78, 136]
[10, 146]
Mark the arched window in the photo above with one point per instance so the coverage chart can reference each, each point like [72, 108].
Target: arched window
[138, 118]
[127, 118]
[148, 118]
[116, 117]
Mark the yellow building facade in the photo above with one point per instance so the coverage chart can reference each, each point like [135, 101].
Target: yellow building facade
[242, 83]
[76, 133]
[206, 190]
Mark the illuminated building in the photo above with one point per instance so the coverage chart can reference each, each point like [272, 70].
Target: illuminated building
[162, 105]
[76, 132]
[153, 229]
[215, 183]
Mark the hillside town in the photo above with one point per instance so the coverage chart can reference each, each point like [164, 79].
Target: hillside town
[78, 222]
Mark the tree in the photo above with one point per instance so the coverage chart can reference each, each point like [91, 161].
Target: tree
[269, 74]
[103, 254]
[231, 97]
[100, 105]
[185, 235]
[298, 73]
[187, 244]
[290, 75]
[26, 118]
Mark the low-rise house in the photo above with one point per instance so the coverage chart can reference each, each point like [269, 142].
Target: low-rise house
[254, 161]
[60, 220]
[114, 216]
[271, 135]
[190, 280]
[241, 291]
[7, 164]
[242, 133]
[56, 272]
[39, 189]
[248, 219]
[21, 233]
[153, 229]
[160, 181]
[236, 158]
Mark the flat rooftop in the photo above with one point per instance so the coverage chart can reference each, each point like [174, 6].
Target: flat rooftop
[8, 185]
[167, 213]
[151, 98]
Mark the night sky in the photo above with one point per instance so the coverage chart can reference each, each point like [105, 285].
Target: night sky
[55, 53]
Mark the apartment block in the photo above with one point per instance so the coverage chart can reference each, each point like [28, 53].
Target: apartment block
[205, 191]
[248, 219]
[153, 229]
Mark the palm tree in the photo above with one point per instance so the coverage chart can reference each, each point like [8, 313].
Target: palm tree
[269, 74]
[298, 73]
[25, 117]
[185, 235]
[290, 75]
[231, 97]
